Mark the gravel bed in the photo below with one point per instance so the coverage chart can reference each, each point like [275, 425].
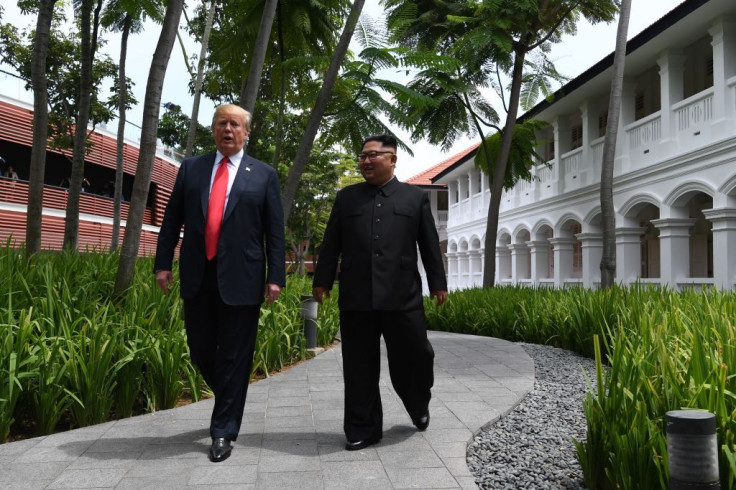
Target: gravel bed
[531, 446]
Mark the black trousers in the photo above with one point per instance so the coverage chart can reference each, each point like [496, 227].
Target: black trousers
[410, 362]
[221, 341]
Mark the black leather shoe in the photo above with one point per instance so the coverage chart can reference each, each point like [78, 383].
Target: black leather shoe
[354, 446]
[422, 422]
[220, 449]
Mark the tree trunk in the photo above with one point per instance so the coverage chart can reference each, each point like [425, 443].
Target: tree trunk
[282, 97]
[71, 223]
[496, 181]
[305, 146]
[250, 92]
[608, 260]
[198, 82]
[149, 128]
[122, 93]
[34, 210]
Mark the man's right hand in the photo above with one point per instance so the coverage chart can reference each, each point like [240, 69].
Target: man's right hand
[318, 292]
[164, 279]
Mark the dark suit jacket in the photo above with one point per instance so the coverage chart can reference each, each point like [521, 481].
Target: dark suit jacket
[253, 216]
[376, 232]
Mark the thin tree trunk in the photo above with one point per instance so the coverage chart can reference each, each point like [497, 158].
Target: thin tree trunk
[250, 93]
[71, 223]
[496, 181]
[608, 260]
[198, 82]
[305, 146]
[149, 128]
[34, 211]
[282, 97]
[122, 92]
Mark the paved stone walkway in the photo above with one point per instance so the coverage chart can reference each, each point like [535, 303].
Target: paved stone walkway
[292, 433]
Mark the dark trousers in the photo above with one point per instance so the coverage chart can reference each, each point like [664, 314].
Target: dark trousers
[410, 363]
[221, 341]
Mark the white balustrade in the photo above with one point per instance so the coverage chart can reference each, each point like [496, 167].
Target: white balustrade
[694, 110]
[645, 131]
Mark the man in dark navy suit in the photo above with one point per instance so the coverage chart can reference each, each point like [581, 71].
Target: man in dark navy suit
[374, 230]
[232, 256]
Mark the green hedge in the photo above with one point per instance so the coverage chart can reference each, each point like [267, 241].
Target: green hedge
[663, 350]
[69, 355]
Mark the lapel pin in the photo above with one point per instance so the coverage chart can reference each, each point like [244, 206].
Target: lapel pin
[247, 169]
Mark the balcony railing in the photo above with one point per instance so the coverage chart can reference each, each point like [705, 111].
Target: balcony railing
[645, 131]
[16, 192]
[694, 110]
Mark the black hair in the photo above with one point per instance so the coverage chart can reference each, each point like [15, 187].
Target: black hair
[386, 140]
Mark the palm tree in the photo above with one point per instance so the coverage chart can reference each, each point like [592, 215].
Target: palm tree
[124, 16]
[87, 55]
[608, 259]
[40, 129]
[191, 136]
[305, 147]
[250, 90]
[151, 106]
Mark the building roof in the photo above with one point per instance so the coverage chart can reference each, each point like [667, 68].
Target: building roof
[424, 179]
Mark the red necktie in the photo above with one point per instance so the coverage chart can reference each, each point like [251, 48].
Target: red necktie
[215, 210]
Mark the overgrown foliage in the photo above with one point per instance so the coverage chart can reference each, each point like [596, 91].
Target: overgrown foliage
[662, 350]
[70, 357]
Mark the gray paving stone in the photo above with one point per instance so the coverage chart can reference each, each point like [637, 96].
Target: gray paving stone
[279, 481]
[217, 474]
[411, 459]
[93, 478]
[18, 473]
[422, 478]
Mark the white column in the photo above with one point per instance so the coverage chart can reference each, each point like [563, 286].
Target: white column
[561, 129]
[519, 262]
[628, 254]
[503, 263]
[674, 248]
[723, 33]
[452, 271]
[589, 112]
[563, 258]
[476, 268]
[672, 87]
[463, 269]
[539, 251]
[628, 115]
[592, 245]
[724, 245]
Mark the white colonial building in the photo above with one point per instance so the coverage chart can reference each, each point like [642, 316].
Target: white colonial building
[674, 177]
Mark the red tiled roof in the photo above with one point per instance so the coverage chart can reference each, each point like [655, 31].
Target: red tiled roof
[425, 178]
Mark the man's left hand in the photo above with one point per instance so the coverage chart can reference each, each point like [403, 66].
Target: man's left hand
[441, 296]
[272, 292]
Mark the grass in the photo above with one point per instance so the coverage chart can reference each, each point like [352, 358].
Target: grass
[71, 357]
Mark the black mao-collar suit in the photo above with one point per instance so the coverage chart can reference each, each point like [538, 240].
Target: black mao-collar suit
[373, 233]
[222, 297]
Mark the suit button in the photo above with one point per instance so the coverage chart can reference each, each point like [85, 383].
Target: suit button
[378, 220]
[377, 237]
[378, 254]
[378, 205]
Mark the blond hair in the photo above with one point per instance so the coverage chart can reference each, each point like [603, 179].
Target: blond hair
[232, 108]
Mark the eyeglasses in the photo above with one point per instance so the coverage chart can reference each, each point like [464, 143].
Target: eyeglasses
[372, 155]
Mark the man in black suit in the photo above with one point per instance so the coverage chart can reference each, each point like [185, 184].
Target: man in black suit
[374, 228]
[229, 205]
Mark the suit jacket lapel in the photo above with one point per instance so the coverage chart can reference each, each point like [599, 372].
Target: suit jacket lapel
[207, 164]
[238, 185]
